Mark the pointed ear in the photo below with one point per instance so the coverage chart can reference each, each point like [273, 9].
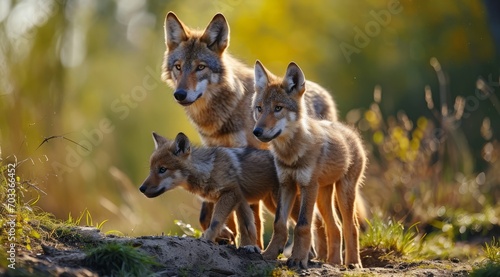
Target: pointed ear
[216, 35]
[159, 140]
[261, 76]
[294, 81]
[175, 31]
[182, 146]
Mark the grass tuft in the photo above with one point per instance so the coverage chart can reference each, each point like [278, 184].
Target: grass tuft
[22, 223]
[114, 259]
[392, 236]
[88, 220]
[282, 271]
[489, 269]
[491, 265]
[492, 251]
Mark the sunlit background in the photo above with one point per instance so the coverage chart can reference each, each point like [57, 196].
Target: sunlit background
[420, 79]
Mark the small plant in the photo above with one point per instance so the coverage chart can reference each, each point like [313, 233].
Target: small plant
[282, 271]
[115, 259]
[392, 236]
[489, 269]
[65, 230]
[252, 270]
[188, 230]
[88, 220]
[492, 251]
[491, 265]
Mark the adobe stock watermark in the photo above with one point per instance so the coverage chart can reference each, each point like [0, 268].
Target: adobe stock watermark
[362, 37]
[189, 212]
[226, 6]
[10, 225]
[41, 11]
[122, 107]
[484, 90]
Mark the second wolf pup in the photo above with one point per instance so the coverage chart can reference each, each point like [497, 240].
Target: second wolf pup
[319, 157]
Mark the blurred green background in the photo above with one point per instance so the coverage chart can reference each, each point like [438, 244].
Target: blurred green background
[90, 71]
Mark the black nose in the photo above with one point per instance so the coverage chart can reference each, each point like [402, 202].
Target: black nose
[180, 94]
[142, 188]
[258, 132]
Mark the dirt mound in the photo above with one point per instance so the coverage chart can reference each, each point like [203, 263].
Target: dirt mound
[177, 256]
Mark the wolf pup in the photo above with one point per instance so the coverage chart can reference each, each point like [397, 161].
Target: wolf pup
[215, 174]
[318, 157]
[216, 90]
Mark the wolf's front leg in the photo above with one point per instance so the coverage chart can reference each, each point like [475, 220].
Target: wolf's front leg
[302, 232]
[223, 207]
[246, 224]
[259, 224]
[247, 228]
[227, 233]
[287, 193]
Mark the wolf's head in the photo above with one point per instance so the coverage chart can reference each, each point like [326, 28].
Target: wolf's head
[166, 165]
[277, 102]
[193, 59]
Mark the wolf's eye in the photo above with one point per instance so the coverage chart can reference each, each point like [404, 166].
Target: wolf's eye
[200, 67]
[177, 66]
[162, 170]
[278, 108]
[258, 108]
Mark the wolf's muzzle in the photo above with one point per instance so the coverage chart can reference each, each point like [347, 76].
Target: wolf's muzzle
[180, 94]
[258, 132]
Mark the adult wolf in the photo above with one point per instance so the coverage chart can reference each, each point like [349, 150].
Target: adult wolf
[216, 90]
[322, 158]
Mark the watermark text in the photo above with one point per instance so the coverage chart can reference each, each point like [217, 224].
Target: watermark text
[10, 225]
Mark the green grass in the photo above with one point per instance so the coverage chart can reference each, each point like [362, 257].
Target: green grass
[18, 211]
[88, 220]
[410, 244]
[491, 265]
[282, 271]
[392, 236]
[31, 223]
[115, 259]
[64, 230]
[487, 270]
[26, 225]
[252, 270]
[492, 251]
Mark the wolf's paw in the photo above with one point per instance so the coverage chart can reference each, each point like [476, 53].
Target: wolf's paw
[270, 254]
[226, 236]
[294, 261]
[337, 260]
[208, 235]
[312, 254]
[354, 266]
[249, 249]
